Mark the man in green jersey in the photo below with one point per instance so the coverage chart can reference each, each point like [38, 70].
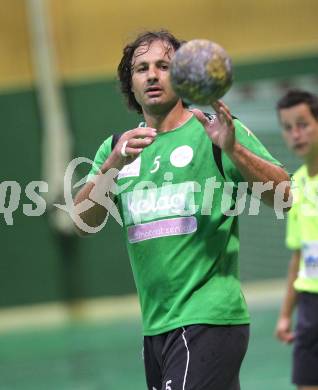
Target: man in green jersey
[181, 230]
[298, 113]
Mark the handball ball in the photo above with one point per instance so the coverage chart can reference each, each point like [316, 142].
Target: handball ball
[201, 71]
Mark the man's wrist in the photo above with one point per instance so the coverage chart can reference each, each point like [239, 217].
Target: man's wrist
[105, 167]
[234, 150]
[109, 164]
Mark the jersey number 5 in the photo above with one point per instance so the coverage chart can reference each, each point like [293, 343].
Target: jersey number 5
[156, 164]
[168, 387]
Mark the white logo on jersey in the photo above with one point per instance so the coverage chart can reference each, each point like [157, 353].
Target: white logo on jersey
[151, 203]
[181, 156]
[131, 170]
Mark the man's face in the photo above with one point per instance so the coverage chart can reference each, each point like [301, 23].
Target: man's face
[150, 77]
[300, 130]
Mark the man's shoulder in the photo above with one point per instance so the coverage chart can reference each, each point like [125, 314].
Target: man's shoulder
[105, 147]
[300, 174]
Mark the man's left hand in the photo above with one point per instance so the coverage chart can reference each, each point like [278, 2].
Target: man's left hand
[220, 129]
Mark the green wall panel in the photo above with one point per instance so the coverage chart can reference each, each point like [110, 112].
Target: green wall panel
[275, 68]
[29, 259]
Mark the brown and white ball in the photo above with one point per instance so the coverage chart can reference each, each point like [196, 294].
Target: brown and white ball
[201, 72]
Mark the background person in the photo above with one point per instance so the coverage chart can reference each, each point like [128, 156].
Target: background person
[298, 114]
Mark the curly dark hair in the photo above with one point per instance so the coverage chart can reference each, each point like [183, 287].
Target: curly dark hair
[298, 96]
[124, 69]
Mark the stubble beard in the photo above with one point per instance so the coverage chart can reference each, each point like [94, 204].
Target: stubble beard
[160, 107]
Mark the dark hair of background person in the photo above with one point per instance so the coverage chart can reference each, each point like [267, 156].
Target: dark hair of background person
[297, 96]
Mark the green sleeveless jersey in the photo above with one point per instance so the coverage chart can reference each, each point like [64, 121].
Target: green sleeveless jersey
[182, 246]
[302, 229]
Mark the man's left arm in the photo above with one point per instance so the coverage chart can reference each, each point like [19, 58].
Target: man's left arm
[253, 168]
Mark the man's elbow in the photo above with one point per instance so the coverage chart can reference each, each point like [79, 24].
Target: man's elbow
[288, 195]
[288, 198]
[283, 197]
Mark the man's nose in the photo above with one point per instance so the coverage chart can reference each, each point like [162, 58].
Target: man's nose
[152, 74]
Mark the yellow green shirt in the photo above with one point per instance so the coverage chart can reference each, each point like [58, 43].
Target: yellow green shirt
[302, 229]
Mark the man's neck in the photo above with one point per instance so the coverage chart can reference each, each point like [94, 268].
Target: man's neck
[168, 121]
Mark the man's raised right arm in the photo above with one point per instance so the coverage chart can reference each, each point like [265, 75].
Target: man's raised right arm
[133, 141]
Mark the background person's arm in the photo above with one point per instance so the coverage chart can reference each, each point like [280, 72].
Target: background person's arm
[284, 324]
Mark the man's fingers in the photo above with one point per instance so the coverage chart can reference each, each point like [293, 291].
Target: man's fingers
[216, 106]
[223, 113]
[132, 142]
[136, 145]
[227, 117]
[140, 142]
[222, 104]
[132, 152]
[200, 116]
[142, 132]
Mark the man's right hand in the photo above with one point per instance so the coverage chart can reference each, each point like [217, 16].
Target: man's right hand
[94, 192]
[136, 141]
[284, 331]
